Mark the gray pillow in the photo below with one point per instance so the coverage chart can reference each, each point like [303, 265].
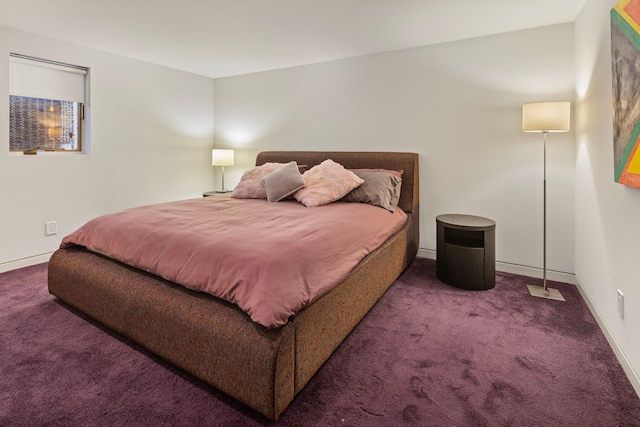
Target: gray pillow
[380, 188]
[283, 182]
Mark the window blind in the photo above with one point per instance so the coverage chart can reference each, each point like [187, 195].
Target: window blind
[47, 80]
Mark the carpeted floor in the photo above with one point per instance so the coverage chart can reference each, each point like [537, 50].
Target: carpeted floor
[428, 355]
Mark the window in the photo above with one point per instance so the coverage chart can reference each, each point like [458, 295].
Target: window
[46, 105]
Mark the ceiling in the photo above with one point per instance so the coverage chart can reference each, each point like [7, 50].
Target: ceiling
[218, 38]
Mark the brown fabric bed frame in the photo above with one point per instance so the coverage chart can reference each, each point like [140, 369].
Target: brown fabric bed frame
[214, 340]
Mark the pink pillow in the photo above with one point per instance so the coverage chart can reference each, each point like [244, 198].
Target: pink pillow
[326, 183]
[282, 183]
[251, 186]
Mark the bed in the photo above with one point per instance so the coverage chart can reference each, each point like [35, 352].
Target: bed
[216, 341]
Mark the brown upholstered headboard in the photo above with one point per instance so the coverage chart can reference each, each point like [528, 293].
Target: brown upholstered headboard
[407, 162]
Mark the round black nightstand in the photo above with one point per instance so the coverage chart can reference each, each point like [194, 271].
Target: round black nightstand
[466, 251]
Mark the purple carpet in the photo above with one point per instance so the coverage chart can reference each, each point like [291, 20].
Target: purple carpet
[427, 354]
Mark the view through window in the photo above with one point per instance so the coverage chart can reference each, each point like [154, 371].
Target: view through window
[45, 105]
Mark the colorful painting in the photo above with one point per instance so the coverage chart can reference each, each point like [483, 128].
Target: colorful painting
[625, 67]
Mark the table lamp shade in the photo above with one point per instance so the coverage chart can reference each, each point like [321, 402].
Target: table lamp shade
[221, 157]
[546, 117]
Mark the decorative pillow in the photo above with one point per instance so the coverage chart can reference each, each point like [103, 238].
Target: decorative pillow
[326, 183]
[283, 182]
[380, 188]
[251, 186]
[397, 173]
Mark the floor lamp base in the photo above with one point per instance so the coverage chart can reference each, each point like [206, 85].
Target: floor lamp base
[538, 291]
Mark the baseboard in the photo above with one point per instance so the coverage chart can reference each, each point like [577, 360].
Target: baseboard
[523, 270]
[426, 253]
[565, 278]
[24, 262]
[626, 366]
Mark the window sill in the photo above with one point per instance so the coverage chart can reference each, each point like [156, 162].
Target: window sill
[45, 153]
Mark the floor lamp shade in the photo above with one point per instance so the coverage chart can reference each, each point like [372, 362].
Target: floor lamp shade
[221, 157]
[545, 117]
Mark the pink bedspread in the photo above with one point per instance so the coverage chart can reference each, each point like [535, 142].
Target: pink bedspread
[270, 259]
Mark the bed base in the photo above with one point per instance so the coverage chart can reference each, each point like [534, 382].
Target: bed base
[217, 342]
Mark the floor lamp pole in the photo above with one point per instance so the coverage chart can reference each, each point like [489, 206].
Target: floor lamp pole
[543, 291]
[544, 216]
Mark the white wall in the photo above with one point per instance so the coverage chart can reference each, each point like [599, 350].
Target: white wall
[150, 141]
[456, 104]
[607, 213]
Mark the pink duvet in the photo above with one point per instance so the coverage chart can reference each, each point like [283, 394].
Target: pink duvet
[270, 259]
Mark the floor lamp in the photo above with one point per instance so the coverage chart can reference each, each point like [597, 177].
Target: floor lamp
[545, 117]
[222, 158]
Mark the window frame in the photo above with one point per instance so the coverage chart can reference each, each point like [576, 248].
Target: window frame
[81, 148]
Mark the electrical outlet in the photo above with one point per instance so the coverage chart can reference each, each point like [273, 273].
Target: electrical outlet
[620, 304]
[51, 227]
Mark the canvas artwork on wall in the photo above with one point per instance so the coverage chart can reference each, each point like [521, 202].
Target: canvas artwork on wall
[625, 67]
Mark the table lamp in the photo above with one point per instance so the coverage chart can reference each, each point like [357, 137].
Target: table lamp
[222, 158]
